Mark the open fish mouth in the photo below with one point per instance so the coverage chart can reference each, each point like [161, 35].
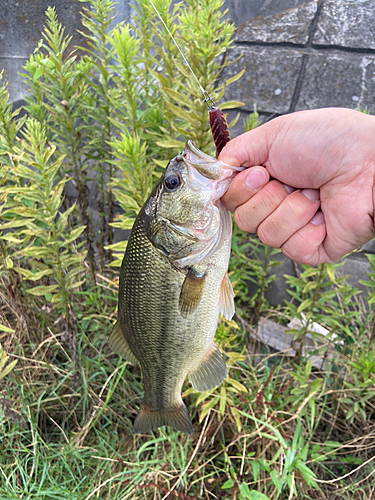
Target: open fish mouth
[205, 173]
[206, 165]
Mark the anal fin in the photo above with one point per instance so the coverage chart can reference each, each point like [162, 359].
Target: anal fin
[177, 418]
[226, 300]
[210, 372]
[118, 343]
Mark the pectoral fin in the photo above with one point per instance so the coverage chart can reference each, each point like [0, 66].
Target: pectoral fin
[191, 292]
[226, 300]
[118, 343]
[210, 372]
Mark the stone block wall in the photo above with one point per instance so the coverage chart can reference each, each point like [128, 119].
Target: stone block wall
[304, 54]
[21, 25]
[298, 54]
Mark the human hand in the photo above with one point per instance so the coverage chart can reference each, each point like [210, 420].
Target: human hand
[328, 155]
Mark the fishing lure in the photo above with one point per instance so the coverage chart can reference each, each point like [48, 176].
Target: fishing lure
[218, 124]
[219, 128]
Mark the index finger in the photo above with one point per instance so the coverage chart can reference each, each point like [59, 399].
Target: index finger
[251, 148]
[244, 186]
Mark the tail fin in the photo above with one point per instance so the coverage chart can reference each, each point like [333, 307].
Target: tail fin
[177, 418]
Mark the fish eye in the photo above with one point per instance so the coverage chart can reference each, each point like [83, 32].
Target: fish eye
[172, 182]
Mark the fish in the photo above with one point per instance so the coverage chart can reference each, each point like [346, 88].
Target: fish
[173, 285]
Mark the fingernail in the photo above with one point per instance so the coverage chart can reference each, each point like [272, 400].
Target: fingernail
[290, 189]
[318, 219]
[311, 194]
[256, 178]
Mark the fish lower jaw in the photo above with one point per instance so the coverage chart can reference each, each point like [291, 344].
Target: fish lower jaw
[221, 186]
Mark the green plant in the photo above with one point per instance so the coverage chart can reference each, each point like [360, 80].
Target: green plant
[245, 492]
[57, 88]
[321, 296]
[252, 262]
[370, 285]
[5, 370]
[47, 253]
[251, 122]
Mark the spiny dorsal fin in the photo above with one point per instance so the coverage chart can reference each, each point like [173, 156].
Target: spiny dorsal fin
[226, 300]
[210, 372]
[191, 291]
[118, 343]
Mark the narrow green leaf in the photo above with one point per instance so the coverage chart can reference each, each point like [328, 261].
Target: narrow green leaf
[304, 305]
[75, 233]
[206, 407]
[245, 491]
[8, 262]
[171, 143]
[177, 96]
[179, 112]
[240, 387]
[274, 475]
[42, 290]
[223, 400]
[34, 276]
[6, 329]
[229, 483]
[5, 371]
[257, 495]
[231, 104]
[34, 251]
[234, 78]
[255, 465]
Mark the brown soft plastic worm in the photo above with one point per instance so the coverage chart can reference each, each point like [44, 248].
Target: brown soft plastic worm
[219, 128]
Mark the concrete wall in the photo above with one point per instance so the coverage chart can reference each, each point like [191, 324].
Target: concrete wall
[298, 54]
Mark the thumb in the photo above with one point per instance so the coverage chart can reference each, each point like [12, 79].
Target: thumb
[251, 148]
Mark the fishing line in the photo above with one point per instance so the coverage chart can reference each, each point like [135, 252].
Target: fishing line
[206, 95]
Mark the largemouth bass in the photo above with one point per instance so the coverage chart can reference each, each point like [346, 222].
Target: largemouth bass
[174, 284]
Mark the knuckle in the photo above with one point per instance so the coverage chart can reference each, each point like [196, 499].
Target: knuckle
[299, 249]
[267, 240]
[268, 233]
[238, 220]
[306, 260]
[299, 207]
[242, 220]
[274, 192]
[296, 256]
